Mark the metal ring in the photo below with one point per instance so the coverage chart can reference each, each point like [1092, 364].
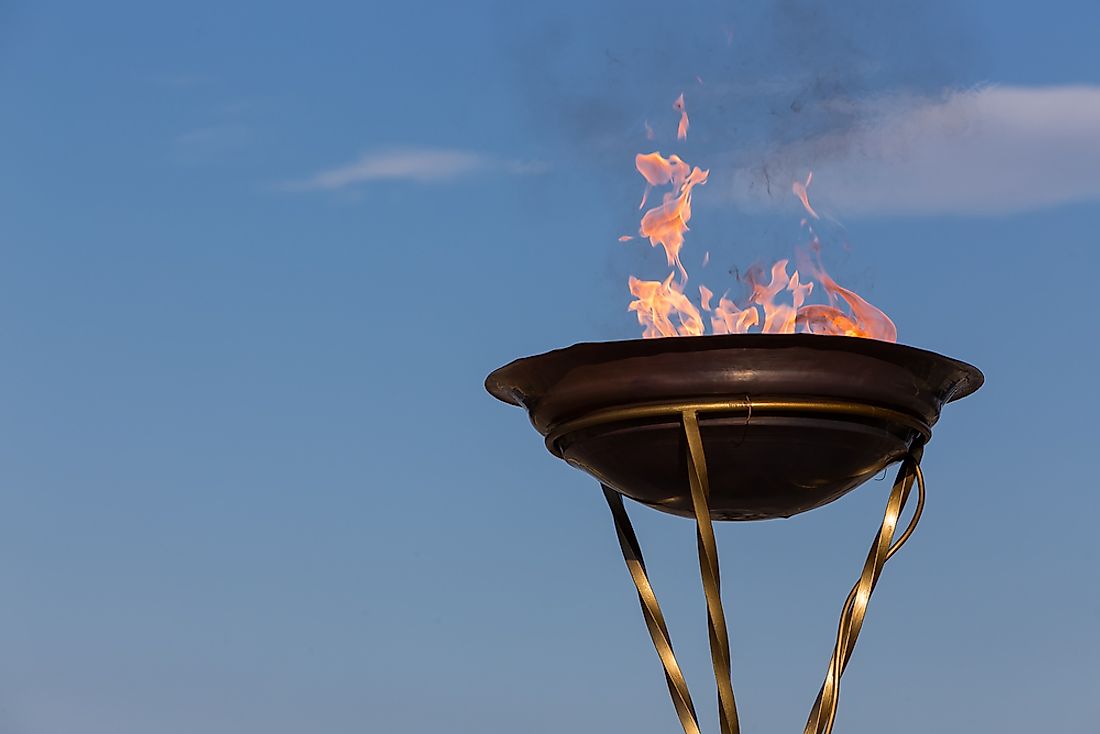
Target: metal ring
[748, 406]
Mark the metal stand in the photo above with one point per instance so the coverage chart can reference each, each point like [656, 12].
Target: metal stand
[823, 713]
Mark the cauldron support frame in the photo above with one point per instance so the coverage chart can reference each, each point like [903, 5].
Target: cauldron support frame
[853, 612]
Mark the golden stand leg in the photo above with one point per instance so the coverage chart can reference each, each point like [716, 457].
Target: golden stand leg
[823, 713]
[708, 569]
[651, 610]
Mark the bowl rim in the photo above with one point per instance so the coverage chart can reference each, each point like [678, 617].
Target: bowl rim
[501, 383]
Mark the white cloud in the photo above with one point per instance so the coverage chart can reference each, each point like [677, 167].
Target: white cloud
[212, 144]
[410, 164]
[991, 150]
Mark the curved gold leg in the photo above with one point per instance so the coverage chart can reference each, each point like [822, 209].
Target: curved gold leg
[708, 569]
[823, 714]
[651, 610]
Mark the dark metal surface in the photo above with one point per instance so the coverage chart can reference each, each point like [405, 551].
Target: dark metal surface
[788, 422]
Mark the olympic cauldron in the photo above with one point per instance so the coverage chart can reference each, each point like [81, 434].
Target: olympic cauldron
[740, 427]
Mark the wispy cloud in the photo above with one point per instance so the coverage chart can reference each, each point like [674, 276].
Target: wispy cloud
[990, 150]
[425, 165]
[212, 143]
[228, 133]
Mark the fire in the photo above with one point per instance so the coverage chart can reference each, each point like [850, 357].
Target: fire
[780, 318]
[665, 225]
[678, 105]
[729, 319]
[777, 303]
[661, 306]
[705, 294]
[800, 190]
[658, 303]
[864, 320]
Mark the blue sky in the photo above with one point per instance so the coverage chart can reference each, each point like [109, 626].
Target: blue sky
[251, 479]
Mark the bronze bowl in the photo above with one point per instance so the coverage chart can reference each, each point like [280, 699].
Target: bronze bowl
[788, 422]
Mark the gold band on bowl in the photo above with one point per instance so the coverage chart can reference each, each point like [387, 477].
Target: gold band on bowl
[746, 406]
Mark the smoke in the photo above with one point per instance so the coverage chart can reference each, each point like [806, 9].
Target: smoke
[758, 80]
[755, 76]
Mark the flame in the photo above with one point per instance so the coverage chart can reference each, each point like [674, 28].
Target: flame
[777, 302]
[705, 294]
[659, 171]
[656, 305]
[779, 318]
[803, 195]
[678, 105]
[865, 320]
[729, 319]
[666, 224]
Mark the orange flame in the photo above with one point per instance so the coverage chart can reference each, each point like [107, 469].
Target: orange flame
[666, 224]
[803, 195]
[779, 318]
[659, 171]
[777, 306]
[865, 320]
[705, 294]
[658, 302]
[678, 105]
[728, 319]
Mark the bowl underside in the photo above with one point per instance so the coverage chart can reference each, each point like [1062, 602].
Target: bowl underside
[771, 467]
